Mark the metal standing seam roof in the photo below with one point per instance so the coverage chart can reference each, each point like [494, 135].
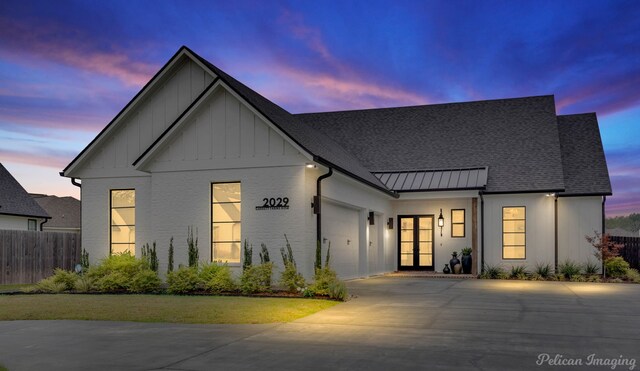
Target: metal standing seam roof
[435, 180]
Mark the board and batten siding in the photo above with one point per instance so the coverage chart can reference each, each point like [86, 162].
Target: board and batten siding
[18, 223]
[578, 217]
[540, 227]
[147, 121]
[224, 133]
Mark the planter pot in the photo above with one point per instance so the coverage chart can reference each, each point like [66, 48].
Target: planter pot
[453, 262]
[446, 269]
[467, 262]
[457, 268]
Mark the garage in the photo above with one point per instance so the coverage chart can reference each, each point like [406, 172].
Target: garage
[340, 227]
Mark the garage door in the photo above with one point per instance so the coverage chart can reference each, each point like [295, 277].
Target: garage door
[340, 226]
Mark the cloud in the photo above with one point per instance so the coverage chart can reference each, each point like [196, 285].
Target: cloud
[51, 41]
[41, 157]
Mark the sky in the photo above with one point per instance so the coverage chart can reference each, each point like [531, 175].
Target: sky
[68, 67]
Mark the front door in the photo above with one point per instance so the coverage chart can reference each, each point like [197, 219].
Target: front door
[415, 236]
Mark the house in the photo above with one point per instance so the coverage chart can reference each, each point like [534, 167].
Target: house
[18, 211]
[64, 212]
[388, 189]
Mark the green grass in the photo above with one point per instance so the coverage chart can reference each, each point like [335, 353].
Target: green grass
[14, 287]
[158, 308]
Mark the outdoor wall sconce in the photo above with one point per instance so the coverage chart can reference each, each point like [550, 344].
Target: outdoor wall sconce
[390, 223]
[372, 218]
[441, 222]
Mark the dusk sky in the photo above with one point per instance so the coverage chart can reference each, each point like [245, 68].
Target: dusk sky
[68, 67]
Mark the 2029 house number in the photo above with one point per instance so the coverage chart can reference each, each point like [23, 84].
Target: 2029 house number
[274, 203]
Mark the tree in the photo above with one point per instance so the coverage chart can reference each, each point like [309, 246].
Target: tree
[605, 248]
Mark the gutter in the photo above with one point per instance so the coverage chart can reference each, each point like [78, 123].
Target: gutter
[73, 180]
[555, 225]
[379, 187]
[481, 194]
[41, 224]
[317, 205]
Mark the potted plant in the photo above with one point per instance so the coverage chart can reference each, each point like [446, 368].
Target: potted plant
[455, 263]
[467, 260]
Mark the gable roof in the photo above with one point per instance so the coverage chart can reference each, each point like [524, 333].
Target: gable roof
[517, 139]
[64, 211]
[14, 199]
[583, 159]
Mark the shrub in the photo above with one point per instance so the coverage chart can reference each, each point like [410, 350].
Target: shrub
[616, 280]
[84, 260]
[248, 255]
[170, 264]
[114, 281]
[633, 275]
[569, 268]
[590, 268]
[543, 270]
[616, 267]
[220, 281]
[183, 281]
[66, 278]
[145, 281]
[322, 280]
[493, 272]
[207, 271]
[291, 279]
[594, 278]
[50, 286]
[264, 254]
[578, 278]
[149, 255]
[337, 290]
[256, 278]
[519, 272]
[84, 284]
[116, 272]
[193, 247]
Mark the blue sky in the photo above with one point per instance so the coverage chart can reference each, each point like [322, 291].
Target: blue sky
[67, 67]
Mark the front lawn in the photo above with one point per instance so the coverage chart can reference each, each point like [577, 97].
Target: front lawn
[158, 308]
[14, 287]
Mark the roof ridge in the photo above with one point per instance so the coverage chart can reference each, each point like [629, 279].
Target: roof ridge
[428, 105]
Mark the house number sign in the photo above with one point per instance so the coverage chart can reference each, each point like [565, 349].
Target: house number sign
[274, 203]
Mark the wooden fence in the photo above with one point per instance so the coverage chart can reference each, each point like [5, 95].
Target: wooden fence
[631, 250]
[29, 256]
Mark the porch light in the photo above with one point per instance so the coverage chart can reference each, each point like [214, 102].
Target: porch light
[372, 218]
[390, 223]
[311, 166]
[440, 222]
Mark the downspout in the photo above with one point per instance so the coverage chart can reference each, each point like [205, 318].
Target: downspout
[604, 200]
[75, 183]
[41, 224]
[317, 205]
[481, 193]
[555, 222]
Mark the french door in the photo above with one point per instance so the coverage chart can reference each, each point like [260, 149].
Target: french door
[415, 242]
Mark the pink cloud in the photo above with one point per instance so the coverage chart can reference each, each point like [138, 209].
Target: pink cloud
[623, 93]
[38, 159]
[22, 39]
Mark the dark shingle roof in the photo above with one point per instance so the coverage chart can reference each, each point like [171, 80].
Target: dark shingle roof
[14, 200]
[325, 149]
[516, 138]
[64, 211]
[583, 159]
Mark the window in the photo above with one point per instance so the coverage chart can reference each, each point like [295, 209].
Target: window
[457, 223]
[225, 222]
[513, 232]
[123, 221]
[32, 225]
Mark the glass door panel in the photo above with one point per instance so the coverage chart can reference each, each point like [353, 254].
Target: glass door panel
[406, 242]
[425, 243]
[415, 242]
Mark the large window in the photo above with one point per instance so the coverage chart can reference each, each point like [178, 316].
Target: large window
[225, 222]
[123, 221]
[514, 228]
[457, 223]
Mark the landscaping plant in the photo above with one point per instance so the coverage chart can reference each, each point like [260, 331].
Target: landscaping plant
[519, 272]
[220, 281]
[493, 272]
[149, 254]
[616, 267]
[290, 278]
[256, 279]
[67, 278]
[605, 248]
[248, 255]
[193, 247]
[591, 268]
[569, 268]
[543, 270]
[185, 280]
[84, 260]
[170, 264]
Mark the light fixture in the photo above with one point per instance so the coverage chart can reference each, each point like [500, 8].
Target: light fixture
[551, 194]
[311, 166]
[390, 223]
[441, 222]
[372, 218]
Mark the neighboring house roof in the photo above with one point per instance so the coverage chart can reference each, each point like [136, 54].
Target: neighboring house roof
[619, 232]
[14, 200]
[583, 159]
[64, 211]
[517, 139]
[434, 180]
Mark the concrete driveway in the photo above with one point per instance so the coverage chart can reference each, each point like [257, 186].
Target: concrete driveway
[394, 323]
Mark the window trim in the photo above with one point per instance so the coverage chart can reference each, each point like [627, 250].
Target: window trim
[35, 224]
[124, 225]
[231, 264]
[464, 223]
[525, 232]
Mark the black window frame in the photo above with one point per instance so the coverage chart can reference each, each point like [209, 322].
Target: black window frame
[35, 224]
[212, 222]
[525, 232]
[121, 225]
